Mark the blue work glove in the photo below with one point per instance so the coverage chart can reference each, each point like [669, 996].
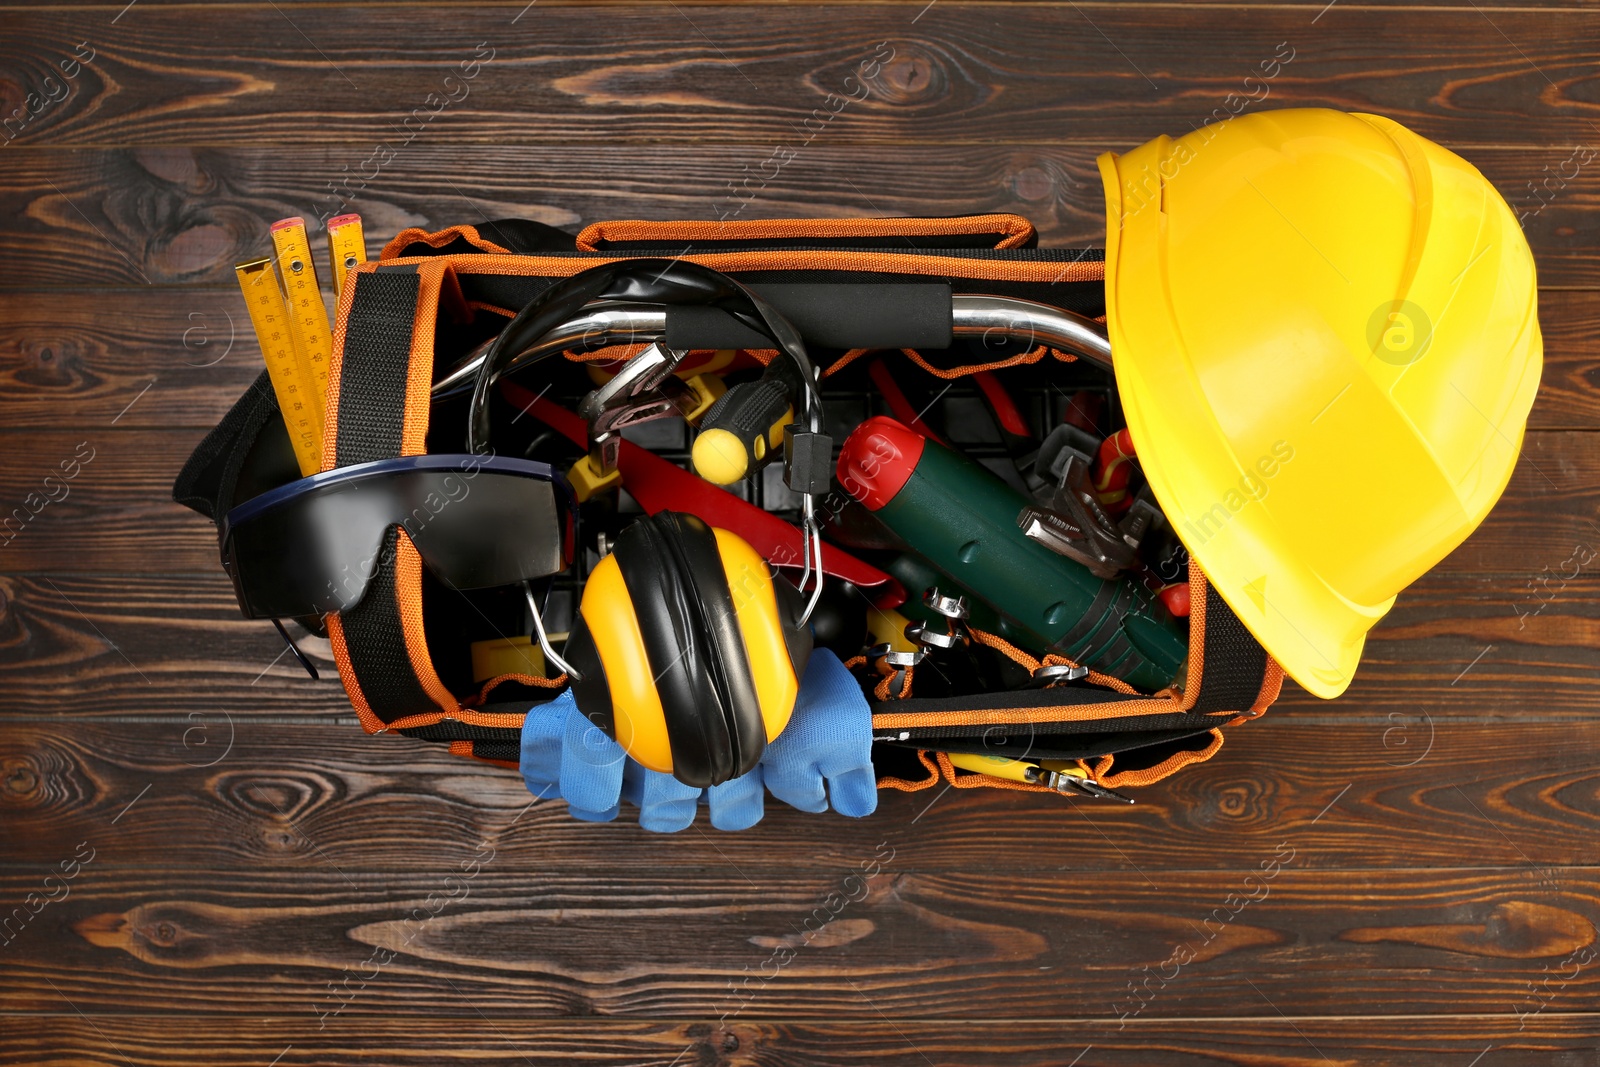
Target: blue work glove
[565, 755]
[828, 739]
[666, 805]
[591, 769]
[542, 732]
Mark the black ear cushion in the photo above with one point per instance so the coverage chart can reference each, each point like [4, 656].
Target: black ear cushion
[701, 568]
[590, 691]
[673, 572]
[797, 637]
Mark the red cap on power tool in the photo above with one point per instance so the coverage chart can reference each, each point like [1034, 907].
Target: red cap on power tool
[877, 460]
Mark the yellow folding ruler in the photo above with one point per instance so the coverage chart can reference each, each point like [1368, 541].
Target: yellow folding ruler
[346, 248]
[297, 398]
[308, 315]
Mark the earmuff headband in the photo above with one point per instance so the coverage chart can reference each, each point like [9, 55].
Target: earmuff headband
[659, 281]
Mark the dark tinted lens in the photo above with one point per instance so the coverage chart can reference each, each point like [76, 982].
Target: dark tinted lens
[476, 531]
[311, 555]
[316, 551]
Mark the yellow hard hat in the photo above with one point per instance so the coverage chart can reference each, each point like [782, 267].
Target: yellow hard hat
[1326, 345]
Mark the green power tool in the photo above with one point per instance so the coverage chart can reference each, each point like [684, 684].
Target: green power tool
[962, 519]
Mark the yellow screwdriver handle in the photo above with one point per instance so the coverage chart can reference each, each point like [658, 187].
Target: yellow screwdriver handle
[996, 766]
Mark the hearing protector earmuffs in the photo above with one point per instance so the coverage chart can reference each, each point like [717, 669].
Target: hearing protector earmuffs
[689, 650]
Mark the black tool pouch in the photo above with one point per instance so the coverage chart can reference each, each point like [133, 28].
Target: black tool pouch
[404, 320]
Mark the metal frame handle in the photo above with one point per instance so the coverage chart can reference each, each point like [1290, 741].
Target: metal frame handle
[606, 323]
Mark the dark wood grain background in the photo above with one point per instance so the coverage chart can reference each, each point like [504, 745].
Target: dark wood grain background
[266, 885]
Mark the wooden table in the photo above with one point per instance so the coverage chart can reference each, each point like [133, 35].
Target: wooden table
[256, 882]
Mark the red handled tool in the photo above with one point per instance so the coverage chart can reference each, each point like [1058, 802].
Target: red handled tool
[661, 486]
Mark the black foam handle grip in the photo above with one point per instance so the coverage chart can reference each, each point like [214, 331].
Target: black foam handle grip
[837, 315]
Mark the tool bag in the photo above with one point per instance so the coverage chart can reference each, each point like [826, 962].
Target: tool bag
[852, 287]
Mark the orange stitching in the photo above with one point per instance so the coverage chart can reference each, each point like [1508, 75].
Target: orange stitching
[1165, 769]
[1015, 230]
[521, 679]
[972, 368]
[905, 785]
[438, 239]
[884, 262]
[845, 360]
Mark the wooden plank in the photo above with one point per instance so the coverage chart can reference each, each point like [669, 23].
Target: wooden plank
[914, 6]
[490, 941]
[1356, 791]
[99, 495]
[80, 356]
[1570, 386]
[179, 215]
[116, 514]
[251, 1041]
[85, 646]
[958, 74]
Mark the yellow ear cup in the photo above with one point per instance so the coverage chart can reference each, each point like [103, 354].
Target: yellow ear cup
[639, 724]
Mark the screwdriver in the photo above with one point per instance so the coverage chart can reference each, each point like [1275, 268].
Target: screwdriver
[1063, 779]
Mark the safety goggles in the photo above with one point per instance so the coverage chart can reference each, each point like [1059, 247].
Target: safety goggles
[313, 546]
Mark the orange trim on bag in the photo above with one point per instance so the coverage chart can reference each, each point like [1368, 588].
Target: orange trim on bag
[1103, 773]
[1166, 702]
[464, 748]
[369, 719]
[436, 286]
[844, 361]
[1022, 358]
[506, 719]
[961, 779]
[608, 354]
[1271, 685]
[1014, 230]
[436, 283]
[538, 680]
[888, 672]
[1197, 632]
[493, 309]
[408, 603]
[419, 374]
[906, 785]
[347, 674]
[438, 239]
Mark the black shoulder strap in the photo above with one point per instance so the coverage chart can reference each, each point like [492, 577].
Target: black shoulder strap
[380, 400]
[369, 397]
